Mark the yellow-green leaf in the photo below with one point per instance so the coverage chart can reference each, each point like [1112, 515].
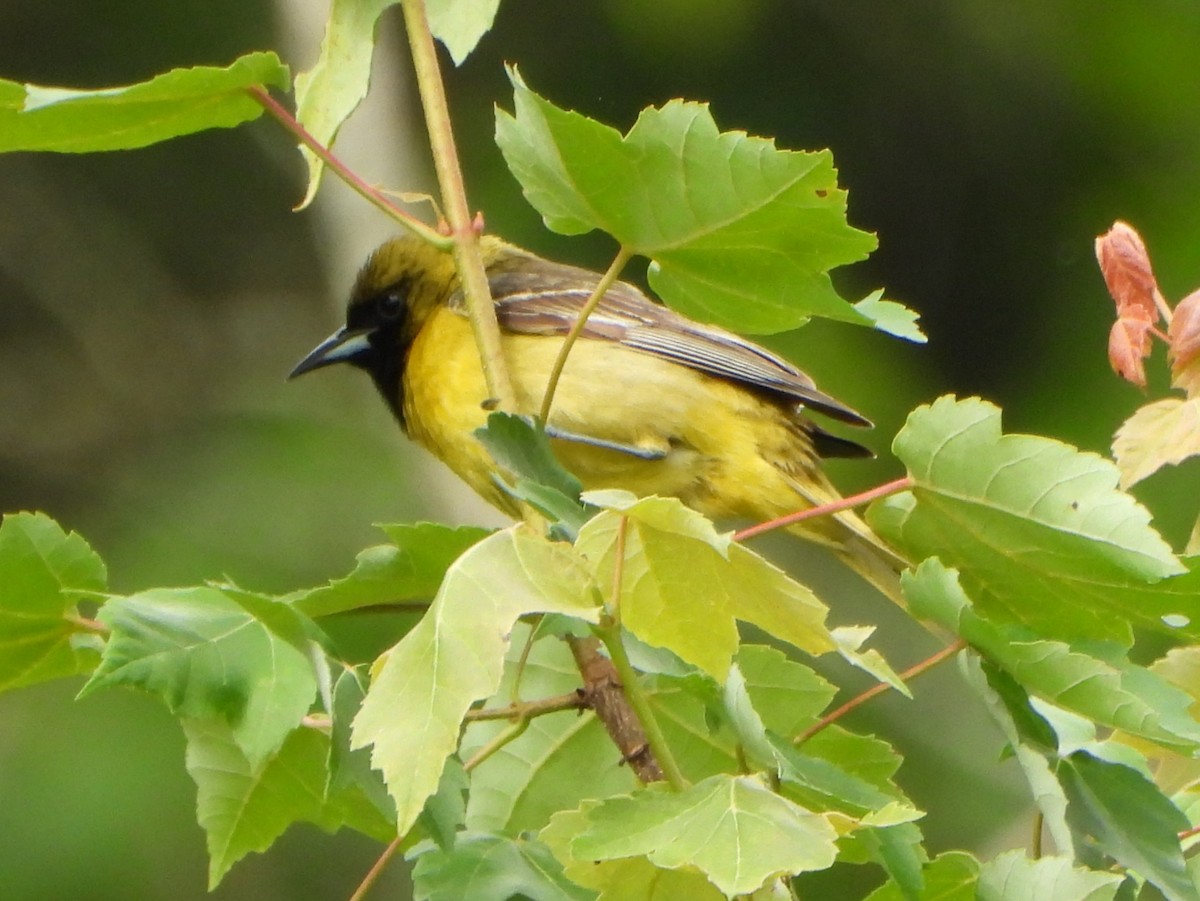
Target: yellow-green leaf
[422, 687]
[1163, 433]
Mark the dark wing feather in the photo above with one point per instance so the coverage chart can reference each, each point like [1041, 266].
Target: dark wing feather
[540, 298]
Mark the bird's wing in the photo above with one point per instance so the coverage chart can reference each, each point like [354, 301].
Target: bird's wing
[548, 301]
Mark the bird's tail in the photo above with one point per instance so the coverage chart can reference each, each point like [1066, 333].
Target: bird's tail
[867, 554]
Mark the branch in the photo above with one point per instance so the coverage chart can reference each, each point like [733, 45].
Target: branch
[454, 202]
[602, 690]
[655, 742]
[527, 710]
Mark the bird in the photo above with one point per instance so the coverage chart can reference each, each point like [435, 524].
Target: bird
[649, 400]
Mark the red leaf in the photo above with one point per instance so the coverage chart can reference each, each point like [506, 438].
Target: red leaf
[1128, 346]
[1125, 265]
[1184, 335]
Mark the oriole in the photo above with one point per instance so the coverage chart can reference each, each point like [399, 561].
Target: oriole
[649, 400]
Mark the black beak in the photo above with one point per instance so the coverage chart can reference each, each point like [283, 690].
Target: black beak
[343, 346]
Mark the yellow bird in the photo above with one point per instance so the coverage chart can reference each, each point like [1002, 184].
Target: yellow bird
[649, 400]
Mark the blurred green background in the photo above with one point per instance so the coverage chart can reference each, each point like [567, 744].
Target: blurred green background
[151, 303]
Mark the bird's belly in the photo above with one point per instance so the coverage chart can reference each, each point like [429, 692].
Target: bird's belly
[683, 434]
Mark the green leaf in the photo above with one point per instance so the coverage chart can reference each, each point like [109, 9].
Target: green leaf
[865, 756]
[1013, 877]
[213, 654]
[1038, 529]
[683, 586]
[410, 569]
[445, 812]
[1031, 738]
[523, 449]
[822, 784]
[244, 807]
[732, 828]
[175, 103]
[850, 641]
[43, 572]
[703, 745]
[898, 849]
[1119, 695]
[747, 724]
[425, 684]
[1129, 819]
[331, 90]
[520, 786]
[739, 232]
[788, 695]
[459, 24]
[892, 317]
[349, 770]
[886, 833]
[493, 866]
[624, 879]
[949, 877]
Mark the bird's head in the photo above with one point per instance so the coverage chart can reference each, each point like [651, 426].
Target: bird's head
[396, 291]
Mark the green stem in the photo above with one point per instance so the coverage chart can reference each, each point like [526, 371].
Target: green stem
[527, 710]
[512, 733]
[611, 636]
[370, 193]
[614, 603]
[560, 362]
[515, 694]
[463, 227]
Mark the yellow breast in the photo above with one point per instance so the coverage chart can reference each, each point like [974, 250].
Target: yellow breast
[717, 447]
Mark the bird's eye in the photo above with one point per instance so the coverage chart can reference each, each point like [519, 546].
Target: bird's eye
[389, 306]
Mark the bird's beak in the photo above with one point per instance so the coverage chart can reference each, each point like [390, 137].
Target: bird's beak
[343, 346]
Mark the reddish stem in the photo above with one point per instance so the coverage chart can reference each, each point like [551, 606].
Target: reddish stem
[377, 870]
[372, 194]
[879, 688]
[837, 506]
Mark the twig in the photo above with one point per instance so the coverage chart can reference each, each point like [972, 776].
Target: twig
[377, 870]
[318, 722]
[1164, 308]
[389, 607]
[454, 202]
[512, 733]
[527, 710]
[370, 193]
[86, 623]
[1189, 833]
[879, 688]
[560, 362]
[845, 503]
